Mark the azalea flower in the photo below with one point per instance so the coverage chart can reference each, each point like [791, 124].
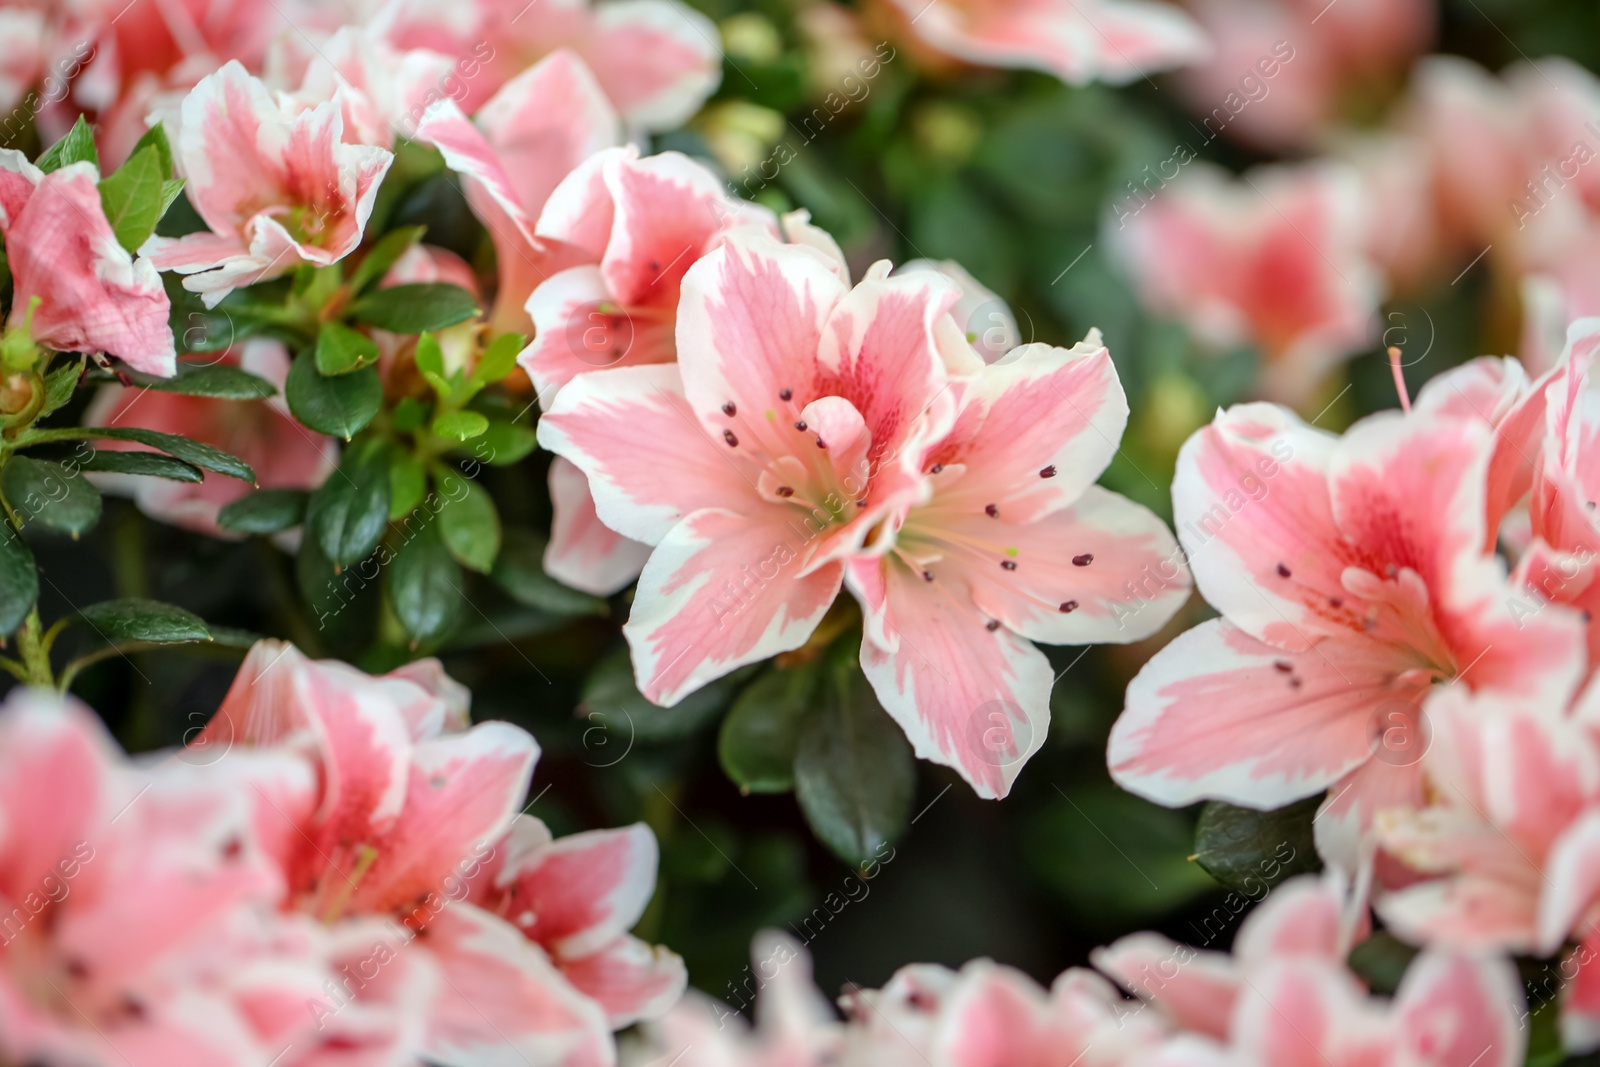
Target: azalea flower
[1285, 73]
[534, 132]
[417, 824]
[1078, 41]
[283, 454]
[1274, 259]
[74, 288]
[1353, 576]
[656, 60]
[1013, 542]
[138, 907]
[277, 186]
[1286, 997]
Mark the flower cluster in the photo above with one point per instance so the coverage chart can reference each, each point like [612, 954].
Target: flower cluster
[336, 866]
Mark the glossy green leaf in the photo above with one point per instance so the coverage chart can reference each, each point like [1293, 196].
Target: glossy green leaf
[460, 425]
[385, 254]
[611, 698]
[499, 359]
[341, 350]
[265, 511]
[468, 521]
[156, 137]
[59, 385]
[147, 464]
[519, 570]
[503, 443]
[416, 307]
[132, 198]
[349, 513]
[51, 494]
[19, 580]
[408, 484]
[853, 771]
[1244, 849]
[340, 406]
[219, 381]
[76, 147]
[136, 619]
[761, 734]
[425, 585]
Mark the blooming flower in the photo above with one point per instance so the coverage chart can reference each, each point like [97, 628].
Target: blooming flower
[527, 138]
[1353, 575]
[1013, 542]
[74, 287]
[283, 454]
[278, 187]
[1104, 40]
[417, 817]
[1274, 259]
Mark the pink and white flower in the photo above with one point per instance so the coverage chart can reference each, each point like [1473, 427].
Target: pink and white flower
[656, 60]
[140, 922]
[1078, 41]
[1354, 576]
[1274, 259]
[277, 186]
[417, 824]
[283, 453]
[1012, 542]
[74, 287]
[534, 132]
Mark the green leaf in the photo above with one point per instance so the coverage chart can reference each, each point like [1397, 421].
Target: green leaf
[156, 137]
[499, 359]
[384, 255]
[265, 511]
[460, 425]
[348, 515]
[610, 698]
[853, 771]
[429, 356]
[136, 619]
[200, 455]
[408, 484]
[1244, 849]
[59, 385]
[415, 308]
[468, 521]
[1118, 860]
[169, 193]
[220, 382]
[49, 493]
[425, 586]
[761, 734]
[409, 415]
[519, 570]
[341, 350]
[1381, 961]
[148, 464]
[19, 580]
[76, 147]
[340, 406]
[503, 443]
[132, 198]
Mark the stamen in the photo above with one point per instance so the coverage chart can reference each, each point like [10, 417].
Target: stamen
[801, 426]
[1399, 379]
[1048, 472]
[1008, 564]
[993, 511]
[727, 435]
[1068, 607]
[1283, 572]
[992, 625]
[730, 409]
[1083, 560]
[786, 394]
[785, 491]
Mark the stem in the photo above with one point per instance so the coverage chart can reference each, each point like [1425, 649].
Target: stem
[35, 655]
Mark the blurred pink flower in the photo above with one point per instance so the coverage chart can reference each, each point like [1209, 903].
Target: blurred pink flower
[1078, 41]
[1274, 259]
[283, 453]
[656, 60]
[1286, 73]
[277, 186]
[417, 823]
[140, 907]
[92, 296]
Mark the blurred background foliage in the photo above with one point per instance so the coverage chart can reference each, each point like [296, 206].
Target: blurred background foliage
[1010, 174]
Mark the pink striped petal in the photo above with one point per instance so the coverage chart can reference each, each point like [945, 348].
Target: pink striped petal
[1195, 989]
[968, 697]
[1460, 1011]
[630, 979]
[1218, 714]
[581, 892]
[649, 463]
[584, 552]
[722, 590]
